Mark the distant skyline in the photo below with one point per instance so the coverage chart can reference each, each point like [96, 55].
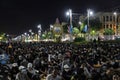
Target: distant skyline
[18, 16]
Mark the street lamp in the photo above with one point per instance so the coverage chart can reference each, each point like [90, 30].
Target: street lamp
[89, 13]
[30, 30]
[25, 33]
[51, 27]
[26, 36]
[79, 22]
[51, 30]
[69, 13]
[115, 14]
[39, 31]
[39, 26]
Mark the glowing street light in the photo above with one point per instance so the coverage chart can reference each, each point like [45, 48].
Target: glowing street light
[69, 13]
[30, 30]
[39, 26]
[115, 14]
[25, 33]
[51, 26]
[39, 31]
[32, 33]
[7, 35]
[79, 22]
[89, 13]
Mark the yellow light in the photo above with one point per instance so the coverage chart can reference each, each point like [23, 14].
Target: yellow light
[93, 31]
[1, 37]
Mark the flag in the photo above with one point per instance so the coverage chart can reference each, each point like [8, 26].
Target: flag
[70, 29]
[85, 29]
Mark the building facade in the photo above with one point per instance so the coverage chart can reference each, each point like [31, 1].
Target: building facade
[109, 20]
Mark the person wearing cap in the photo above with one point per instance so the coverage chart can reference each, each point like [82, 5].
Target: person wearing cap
[54, 75]
[67, 73]
[22, 75]
[14, 70]
[32, 73]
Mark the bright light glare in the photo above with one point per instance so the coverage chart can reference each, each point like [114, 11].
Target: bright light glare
[1, 37]
[80, 22]
[91, 13]
[30, 30]
[32, 33]
[39, 31]
[25, 33]
[39, 26]
[7, 35]
[67, 13]
[51, 26]
[115, 13]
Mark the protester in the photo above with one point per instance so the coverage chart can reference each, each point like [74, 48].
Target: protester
[54, 75]
[95, 61]
[22, 75]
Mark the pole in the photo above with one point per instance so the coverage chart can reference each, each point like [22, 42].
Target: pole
[88, 14]
[116, 24]
[71, 37]
[116, 28]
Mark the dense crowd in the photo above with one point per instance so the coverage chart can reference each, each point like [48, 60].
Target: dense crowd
[60, 61]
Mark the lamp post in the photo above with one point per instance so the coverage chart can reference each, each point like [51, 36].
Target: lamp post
[39, 31]
[69, 13]
[26, 37]
[89, 13]
[30, 30]
[115, 14]
[51, 27]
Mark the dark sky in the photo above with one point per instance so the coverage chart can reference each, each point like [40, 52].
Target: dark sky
[18, 16]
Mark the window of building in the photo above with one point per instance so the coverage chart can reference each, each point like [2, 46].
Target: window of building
[104, 27]
[107, 18]
[114, 18]
[103, 18]
[110, 25]
[110, 18]
[107, 26]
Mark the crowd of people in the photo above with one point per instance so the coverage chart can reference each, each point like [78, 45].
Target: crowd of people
[60, 61]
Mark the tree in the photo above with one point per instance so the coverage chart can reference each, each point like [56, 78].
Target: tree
[3, 37]
[108, 32]
[75, 31]
[82, 26]
[49, 35]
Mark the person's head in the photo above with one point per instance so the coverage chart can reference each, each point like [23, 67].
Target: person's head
[115, 77]
[55, 72]
[14, 65]
[29, 66]
[66, 68]
[20, 57]
[22, 69]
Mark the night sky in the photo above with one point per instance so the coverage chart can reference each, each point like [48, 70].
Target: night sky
[18, 16]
